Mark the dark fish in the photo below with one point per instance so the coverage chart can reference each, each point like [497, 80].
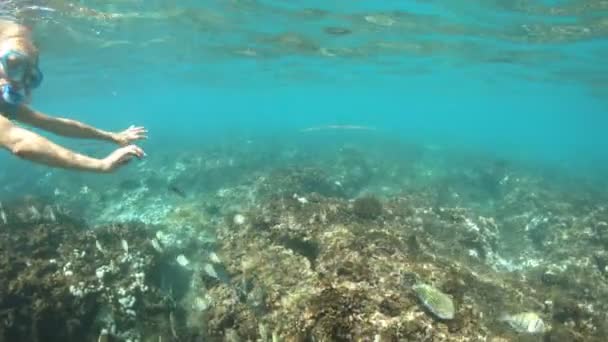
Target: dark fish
[337, 31]
[129, 184]
[177, 191]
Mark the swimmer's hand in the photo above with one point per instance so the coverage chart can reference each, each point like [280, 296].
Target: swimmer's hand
[130, 135]
[120, 157]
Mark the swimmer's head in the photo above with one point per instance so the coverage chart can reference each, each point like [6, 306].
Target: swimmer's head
[19, 71]
[20, 42]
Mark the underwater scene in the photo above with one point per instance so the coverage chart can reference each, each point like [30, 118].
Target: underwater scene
[314, 171]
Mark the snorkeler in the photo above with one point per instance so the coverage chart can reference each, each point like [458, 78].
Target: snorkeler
[19, 75]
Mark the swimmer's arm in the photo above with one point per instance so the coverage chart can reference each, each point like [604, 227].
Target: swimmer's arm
[61, 126]
[31, 146]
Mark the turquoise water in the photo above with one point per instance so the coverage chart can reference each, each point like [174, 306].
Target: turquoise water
[467, 73]
[307, 163]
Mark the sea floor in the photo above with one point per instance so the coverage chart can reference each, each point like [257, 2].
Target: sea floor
[261, 241]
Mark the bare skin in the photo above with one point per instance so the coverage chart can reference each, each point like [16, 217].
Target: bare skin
[33, 147]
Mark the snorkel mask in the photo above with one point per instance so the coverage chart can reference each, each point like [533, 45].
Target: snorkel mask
[22, 75]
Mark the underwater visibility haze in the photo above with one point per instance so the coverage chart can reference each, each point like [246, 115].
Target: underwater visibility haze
[316, 171]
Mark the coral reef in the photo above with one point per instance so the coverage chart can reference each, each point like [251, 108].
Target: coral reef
[368, 207]
[65, 282]
[308, 247]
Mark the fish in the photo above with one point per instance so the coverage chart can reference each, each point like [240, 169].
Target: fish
[338, 127]
[337, 31]
[125, 246]
[3, 218]
[219, 272]
[177, 191]
[525, 322]
[437, 302]
[104, 336]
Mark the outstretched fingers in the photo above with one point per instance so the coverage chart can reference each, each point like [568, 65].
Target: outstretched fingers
[137, 151]
[138, 132]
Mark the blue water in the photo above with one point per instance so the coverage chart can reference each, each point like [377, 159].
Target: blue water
[449, 96]
[490, 78]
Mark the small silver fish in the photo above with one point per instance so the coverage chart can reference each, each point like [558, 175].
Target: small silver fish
[125, 246]
[3, 218]
[525, 322]
[214, 258]
[156, 245]
[210, 270]
[49, 214]
[35, 214]
[99, 247]
[104, 336]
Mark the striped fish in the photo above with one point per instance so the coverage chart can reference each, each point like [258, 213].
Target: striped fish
[525, 322]
[437, 302]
